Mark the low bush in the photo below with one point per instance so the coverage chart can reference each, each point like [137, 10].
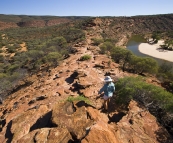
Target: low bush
[155, 99]
[106, 46]
[78, 98]
[137, 89]
[85, 57]
[97, 42]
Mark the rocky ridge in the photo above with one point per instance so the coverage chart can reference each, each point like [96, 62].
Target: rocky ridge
[33, 23]
[40, 112]
[122, 28]
[42, 23]
[5, 25]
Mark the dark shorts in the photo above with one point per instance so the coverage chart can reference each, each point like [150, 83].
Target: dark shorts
[105, 97]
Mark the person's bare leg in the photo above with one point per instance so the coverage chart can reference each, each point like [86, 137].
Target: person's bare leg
[106, 104]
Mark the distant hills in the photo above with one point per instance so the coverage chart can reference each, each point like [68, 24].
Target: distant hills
[117, 28]
[12, 21]
[133, 24]
[25, 18]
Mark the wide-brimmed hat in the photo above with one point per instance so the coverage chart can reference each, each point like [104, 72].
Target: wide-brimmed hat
[108, 79]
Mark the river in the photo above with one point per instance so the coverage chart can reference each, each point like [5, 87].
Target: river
[133, 46]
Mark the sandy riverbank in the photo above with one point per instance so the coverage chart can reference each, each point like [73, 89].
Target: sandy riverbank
[154, 51]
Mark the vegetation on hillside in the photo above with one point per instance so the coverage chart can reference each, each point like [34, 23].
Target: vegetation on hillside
[45, 46]
[85, 57]
[128, 61]
[138, 65]
[24, 18]
[155, 99]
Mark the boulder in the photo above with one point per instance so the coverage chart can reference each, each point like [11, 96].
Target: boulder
[26, 121]
[49, 135]
[101, 132]
[138, 126]
[74, 119]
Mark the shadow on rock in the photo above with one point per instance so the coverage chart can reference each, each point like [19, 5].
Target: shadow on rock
[43, 122]
[8, 134]
[69, 80]
[82, 103]
[163, 136]
[116, 117]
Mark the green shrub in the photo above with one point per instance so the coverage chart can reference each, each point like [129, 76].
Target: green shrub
[130, 62]
[106, 46]
[146, 65]
[35, 54]
[147, 94]
[121, 56]
[78, 98]
[53, 58]
[2, 75]
[165, 72]
[12, 68]
[11, 49]
[4, 86]
[61, 41]
[97, 42]
[15, 77]
[156, 100]
[85, 57]
[103, 49]
[73, 34]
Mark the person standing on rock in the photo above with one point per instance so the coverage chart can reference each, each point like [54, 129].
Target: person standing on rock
[108, 90]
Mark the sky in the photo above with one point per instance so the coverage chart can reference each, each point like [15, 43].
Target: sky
[86, 7]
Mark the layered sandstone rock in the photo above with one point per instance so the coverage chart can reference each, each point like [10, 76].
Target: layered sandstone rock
[50, 135]
[5, 25]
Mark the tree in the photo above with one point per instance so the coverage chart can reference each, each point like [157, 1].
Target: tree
[105, 47]
[168, 45]
[12, 68]
[155, 37]
[165, 67]
[137, 89]
[165, 72]
[34, 55]
[53, 58]
[117, 54]
[96, 42]
[155, 99]
[133, 63]
[122, 56]
[126, 59]
[147, 65]
[60, 41]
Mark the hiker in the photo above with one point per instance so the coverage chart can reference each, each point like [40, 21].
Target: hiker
[108, 90]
